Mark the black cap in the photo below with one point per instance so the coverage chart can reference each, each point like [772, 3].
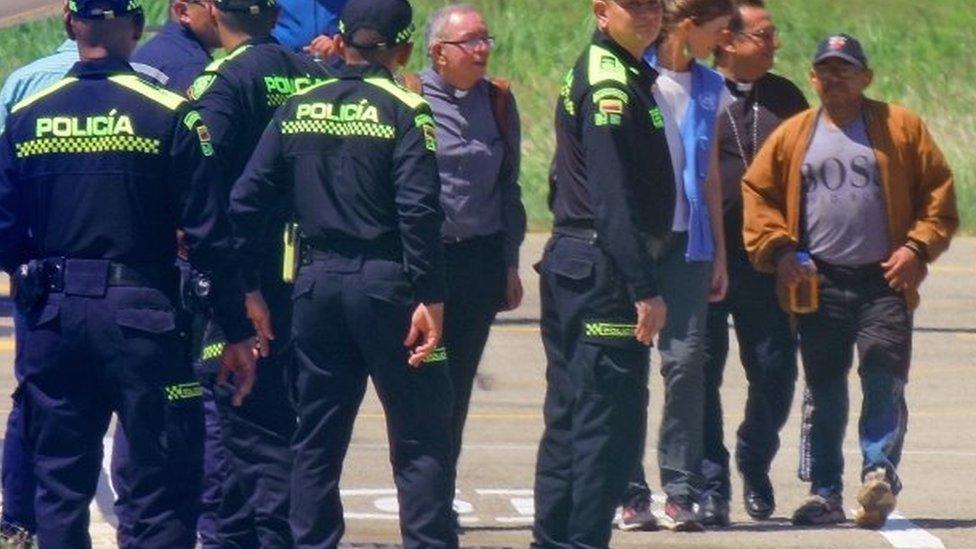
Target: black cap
[841, 46]
[103, 9]
[252, 7]
[393, 19]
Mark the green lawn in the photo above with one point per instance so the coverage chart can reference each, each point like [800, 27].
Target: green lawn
[922, 53]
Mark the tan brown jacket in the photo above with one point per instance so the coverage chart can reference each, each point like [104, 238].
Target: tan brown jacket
[917, 182]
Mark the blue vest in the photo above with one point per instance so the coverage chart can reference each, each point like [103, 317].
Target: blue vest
[697, 131]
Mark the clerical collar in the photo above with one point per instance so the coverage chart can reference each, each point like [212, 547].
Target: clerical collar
[744, 87]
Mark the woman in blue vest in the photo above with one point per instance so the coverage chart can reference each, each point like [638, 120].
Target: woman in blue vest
[692, 260]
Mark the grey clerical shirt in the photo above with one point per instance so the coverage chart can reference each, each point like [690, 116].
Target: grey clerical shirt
[479, 169]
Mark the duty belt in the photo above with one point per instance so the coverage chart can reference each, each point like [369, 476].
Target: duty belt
[118, 274]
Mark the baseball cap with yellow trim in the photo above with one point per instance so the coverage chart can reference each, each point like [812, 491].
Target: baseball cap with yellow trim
[103, 9]
[392, 19]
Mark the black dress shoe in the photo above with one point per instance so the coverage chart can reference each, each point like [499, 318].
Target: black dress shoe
[758, 498]
[713, 510]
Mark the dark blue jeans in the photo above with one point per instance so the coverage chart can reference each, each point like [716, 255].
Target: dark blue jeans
[857, 311]
[767, 349]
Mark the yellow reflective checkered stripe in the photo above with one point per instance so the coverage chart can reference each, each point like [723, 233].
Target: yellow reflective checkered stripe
[31, 99]
[339, 129]
[212, 351]
[411, 99]
[87, 145]
[437, 355]
[162, 96]
[277, 99]
[183, 391]
[608, 329]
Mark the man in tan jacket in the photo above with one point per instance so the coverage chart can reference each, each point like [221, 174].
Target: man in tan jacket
[862, 187]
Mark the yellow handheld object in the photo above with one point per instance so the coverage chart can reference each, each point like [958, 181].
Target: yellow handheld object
[289, 265]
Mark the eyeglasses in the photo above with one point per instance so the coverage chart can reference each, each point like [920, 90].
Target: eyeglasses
[472, 44]
[765, 35]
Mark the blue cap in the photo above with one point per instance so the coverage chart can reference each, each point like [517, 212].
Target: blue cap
[842, 46]
[103, 9]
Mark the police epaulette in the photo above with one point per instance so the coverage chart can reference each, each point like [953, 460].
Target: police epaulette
[411, 99]
[604, 66]
[31, 99]
[168, 99]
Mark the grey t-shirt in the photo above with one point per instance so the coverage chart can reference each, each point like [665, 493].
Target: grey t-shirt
[844, 202]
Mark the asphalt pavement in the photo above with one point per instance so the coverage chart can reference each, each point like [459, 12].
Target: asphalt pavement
[937, 508]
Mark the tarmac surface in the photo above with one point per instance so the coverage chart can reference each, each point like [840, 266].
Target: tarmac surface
[936, 509]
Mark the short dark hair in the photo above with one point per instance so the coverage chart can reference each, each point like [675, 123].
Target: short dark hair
[737, 23]
[371, 46]
[258, 24]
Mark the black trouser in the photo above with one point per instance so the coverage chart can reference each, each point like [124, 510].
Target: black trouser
[857, 311]
[767, 349]
[475, 289]
[90, 349]
[256, 437]
[351, 314]
[596, 396]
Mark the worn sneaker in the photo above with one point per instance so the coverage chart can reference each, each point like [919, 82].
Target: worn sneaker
[680, 516]
[819, 510]
[877, 500]
[637, 515]
[15, 537]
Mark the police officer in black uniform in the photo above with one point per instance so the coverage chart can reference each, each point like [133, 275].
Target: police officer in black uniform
[237, 95]
[96, 174]
[612, 194]
[358, 155]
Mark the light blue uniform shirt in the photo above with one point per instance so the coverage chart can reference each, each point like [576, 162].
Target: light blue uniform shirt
[36, 76]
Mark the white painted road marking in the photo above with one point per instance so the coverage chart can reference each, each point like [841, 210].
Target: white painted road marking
[899, 531]
[902, 533]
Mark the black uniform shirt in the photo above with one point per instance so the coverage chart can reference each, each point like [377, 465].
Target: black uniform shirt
[612, 170]
[237, 96]
[743, 128]
[358, 155]
[105, 165]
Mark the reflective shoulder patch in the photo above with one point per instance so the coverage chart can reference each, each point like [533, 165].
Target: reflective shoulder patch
[316, 86]
[411, 99]
[31, 99]
[158, 94]
[604, 65]
[200, 85]
[215, 65]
